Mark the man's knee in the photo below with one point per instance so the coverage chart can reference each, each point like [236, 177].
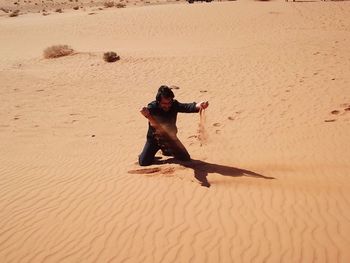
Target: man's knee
[144, 161]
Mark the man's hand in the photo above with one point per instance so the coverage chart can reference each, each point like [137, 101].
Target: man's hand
[145, 112]
[202, 105]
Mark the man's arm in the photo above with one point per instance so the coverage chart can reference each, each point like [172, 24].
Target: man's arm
[191, 107]
[145, 112]
[160, 130]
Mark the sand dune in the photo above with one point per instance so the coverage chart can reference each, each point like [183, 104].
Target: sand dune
[275, 163]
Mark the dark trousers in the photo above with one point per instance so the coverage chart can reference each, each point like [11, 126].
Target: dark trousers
[152, 146]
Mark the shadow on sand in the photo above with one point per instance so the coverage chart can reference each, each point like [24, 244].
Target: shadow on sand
[201, 170]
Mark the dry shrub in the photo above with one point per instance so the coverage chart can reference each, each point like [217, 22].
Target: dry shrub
[76, 7]
[14, 13]
[108, 4]
[120, 5]
[110, 56]
[58, 10]
[5, 10]
[58, 51]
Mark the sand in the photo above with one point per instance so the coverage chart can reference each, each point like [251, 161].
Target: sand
[271, 182]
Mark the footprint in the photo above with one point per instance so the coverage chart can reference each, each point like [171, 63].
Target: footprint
[203, 91]
[347, 109]
[332, 120]
[335, 112]
[216, 124]
[217, 131]
[231, 118]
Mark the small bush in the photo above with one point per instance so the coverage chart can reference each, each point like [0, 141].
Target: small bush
[58, 51]
[108, 4]
[76, 7]
[120, 5]
[4, 10]
[58, 10]
[14, 13]
[110, 56]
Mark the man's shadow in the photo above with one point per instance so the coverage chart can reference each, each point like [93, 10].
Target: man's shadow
[201, 170]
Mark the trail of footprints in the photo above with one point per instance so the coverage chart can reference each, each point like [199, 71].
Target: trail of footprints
[345, 108]
[217, 125]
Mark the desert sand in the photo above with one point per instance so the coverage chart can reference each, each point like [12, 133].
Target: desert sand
[276, 156]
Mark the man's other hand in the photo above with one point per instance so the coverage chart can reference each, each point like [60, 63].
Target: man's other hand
[202, 105]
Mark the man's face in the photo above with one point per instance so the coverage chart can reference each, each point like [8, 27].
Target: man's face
[165, 103]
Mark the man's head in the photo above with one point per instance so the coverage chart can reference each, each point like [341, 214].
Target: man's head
[165, 98]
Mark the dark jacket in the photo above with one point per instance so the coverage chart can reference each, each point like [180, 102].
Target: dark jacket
[168, 118]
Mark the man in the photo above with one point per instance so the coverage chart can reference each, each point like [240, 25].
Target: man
[162, 130]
